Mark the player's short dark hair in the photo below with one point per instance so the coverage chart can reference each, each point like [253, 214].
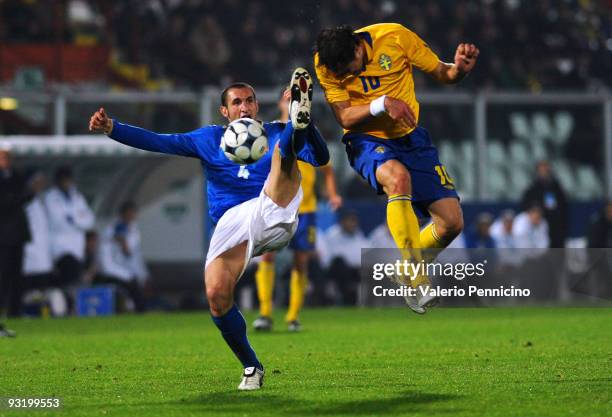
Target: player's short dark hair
[234, 85]
[63, 172]
[127, 206]
[336, 47]
[345, 213]
[534, 205]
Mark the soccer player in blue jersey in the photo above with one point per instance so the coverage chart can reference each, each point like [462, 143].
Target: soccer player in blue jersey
[254, 207]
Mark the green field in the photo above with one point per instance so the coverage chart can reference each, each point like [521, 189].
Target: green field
[346, 362]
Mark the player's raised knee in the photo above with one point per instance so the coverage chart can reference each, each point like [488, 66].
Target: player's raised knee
[399, 183]
[394, 177]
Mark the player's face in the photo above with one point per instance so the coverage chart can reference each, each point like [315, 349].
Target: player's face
[130, 215]
[535, 216]
[543, 170]
[38, 183]
[66, 183]
[350, 224]
[508, 225]
[240, 102]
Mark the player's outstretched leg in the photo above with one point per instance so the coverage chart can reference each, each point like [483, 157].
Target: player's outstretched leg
[404, 225]
[220, 277]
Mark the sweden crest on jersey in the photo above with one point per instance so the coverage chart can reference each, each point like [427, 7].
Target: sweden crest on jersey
[385, 62]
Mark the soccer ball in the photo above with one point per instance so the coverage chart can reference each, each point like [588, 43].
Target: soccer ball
[244, 141]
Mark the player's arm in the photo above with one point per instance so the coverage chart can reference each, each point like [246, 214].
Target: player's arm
[351, 117]
[335, 201]
[136, 137]
[420, 55]
[465, 59]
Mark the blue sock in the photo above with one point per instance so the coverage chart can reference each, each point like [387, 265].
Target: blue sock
[313, 148]
[287, 142]
[233, 329]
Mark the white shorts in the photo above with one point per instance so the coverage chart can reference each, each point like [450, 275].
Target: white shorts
[260, 221]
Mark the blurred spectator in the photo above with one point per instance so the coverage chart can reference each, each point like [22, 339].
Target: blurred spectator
[501, 230]
[26, 21]
[530, 230]
[381, 237]
[37, 260]
[480, 236]
[121, 260]
[91, 263]
[502, 233]
[598, 281]
[478, 239]
[341, 252]
[264, 41]
[548, 194]
[600, 230]
[69, 218]
[14, 233]
[37, 263]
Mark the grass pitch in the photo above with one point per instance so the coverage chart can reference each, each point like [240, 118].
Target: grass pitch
[346, 362]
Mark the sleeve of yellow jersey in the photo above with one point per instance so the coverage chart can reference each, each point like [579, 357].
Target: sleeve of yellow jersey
[417, 50]
[334, 92]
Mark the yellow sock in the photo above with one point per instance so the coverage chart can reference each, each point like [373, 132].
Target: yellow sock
[404, 227]
[264, 277]
[431, 241]
[297, 292]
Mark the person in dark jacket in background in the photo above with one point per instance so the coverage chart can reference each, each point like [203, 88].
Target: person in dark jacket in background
[548, 194]
[600, 229]
[14, 233]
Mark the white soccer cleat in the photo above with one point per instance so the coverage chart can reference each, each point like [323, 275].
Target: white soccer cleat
[412, 301]
[252, 379]
[426, 301]
[263, 324]
[301, 98]
[294, 326]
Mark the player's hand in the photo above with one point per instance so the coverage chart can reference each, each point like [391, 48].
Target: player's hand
[466, 56]
[335, 202]
[399, 111]
[287, 94]
[100, 122]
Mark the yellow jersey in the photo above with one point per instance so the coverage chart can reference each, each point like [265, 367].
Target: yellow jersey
[392, 51]
[309, 177]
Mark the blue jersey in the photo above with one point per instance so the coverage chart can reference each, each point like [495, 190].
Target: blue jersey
[228, 183]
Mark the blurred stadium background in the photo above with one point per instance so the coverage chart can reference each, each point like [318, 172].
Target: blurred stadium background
[541, 91]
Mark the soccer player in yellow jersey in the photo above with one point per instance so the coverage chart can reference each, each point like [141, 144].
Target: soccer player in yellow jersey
[366, 75]
[302, 243]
